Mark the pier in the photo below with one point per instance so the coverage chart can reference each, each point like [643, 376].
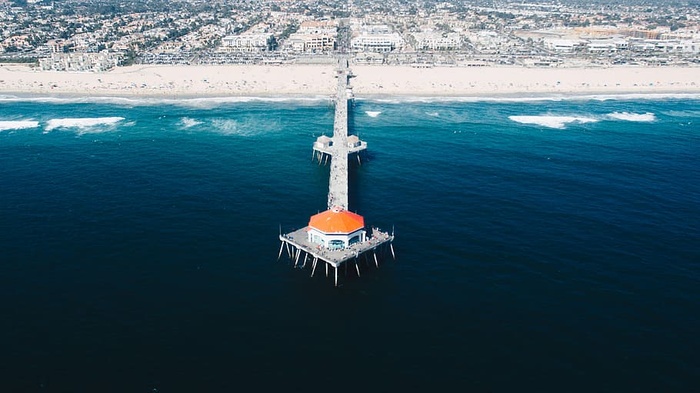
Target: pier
[341, 145]
[337, 237]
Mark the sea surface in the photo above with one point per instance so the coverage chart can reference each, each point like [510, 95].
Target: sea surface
[543, 244]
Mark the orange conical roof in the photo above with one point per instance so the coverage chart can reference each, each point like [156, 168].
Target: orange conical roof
[337, 221]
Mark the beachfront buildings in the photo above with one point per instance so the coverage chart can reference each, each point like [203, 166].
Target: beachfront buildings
[94, 62]
[387, 32]
[313, 37]
[438, 41]
[247, 42]
[376, 38]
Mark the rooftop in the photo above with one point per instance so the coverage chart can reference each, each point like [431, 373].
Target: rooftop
[336, 220]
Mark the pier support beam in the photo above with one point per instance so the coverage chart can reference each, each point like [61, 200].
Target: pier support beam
[280, 253]
[296, 260]
[314, 267]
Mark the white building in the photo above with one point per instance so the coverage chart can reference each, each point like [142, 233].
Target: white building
[251, 43]
[336, 229]
[376, 38]
[561, 45]
[437, 41]
[608, 45]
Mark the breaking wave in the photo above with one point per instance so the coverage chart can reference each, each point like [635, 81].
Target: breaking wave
[191, 102]
[640, 117]
[84, 125]
[373, 113]
[398, 99]
[17, 124]
[559, 122]
[188, 122]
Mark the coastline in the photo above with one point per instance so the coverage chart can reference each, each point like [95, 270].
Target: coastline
[232, 82]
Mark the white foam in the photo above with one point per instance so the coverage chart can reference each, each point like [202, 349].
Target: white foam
[373, 113]
[433, 114]
[188, 122]
[398, 99]
[194, 102]
[682, 113]
[627, 116]
[559, 122]
[86, 124]
[17, 124]
[227, 127]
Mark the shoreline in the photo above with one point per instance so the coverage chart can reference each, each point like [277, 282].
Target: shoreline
[388, 98]
[315, 82]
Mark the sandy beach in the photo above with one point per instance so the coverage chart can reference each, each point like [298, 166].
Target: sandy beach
[313, 80]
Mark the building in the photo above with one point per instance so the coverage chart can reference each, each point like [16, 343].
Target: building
[437, 41]
[607, 45]
[323, 142]
[379, 43]
[313, 37]
[249, 43]
[562, 45]
[94, 62]
[336, 229]
[311, 42]
[376, 38]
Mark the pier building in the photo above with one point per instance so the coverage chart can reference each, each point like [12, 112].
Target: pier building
[336, 229]
[337, 237]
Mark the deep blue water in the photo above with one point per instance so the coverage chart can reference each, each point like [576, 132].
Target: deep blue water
[547, 245]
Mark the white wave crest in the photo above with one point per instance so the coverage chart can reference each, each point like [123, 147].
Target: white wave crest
[559, 122]
[643, 117]
[373, 113]
[86, 124]
[188, 122]
[400, 99]
[17, 124]
[191, 102]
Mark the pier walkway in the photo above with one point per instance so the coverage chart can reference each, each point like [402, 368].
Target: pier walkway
[333, 246]
[338, 182]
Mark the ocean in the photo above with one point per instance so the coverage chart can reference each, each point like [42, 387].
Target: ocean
[543, 244]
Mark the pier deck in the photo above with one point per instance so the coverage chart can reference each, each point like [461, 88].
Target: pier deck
[338, 182]
[337, 148]
[335, 258]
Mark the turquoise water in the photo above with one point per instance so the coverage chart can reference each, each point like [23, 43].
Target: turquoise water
[548, 245]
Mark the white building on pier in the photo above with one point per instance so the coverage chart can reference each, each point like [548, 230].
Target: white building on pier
[336, 229]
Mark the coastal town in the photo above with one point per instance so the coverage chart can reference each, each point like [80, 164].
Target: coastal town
[94, 36]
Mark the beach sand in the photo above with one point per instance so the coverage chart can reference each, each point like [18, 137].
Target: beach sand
[314, 80]
[489, 81]
[173, 81]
